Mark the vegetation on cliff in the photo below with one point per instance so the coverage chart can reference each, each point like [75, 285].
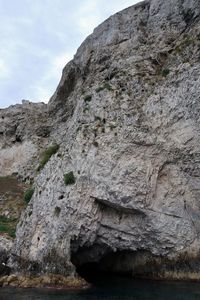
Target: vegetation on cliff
[46, 155]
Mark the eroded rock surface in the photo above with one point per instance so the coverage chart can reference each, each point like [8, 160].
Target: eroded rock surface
[24, 129]
[126, 116]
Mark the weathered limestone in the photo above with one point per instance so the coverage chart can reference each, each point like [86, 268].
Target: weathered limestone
[24, 131]
[126, 117]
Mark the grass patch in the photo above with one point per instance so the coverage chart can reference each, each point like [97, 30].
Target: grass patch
[165, 72]
[28, 195]
[46, 155]
[8, 225]
[69, 178]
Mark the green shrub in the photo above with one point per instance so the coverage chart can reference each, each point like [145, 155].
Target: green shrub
[57, 211]
[9, 231]
[28, 195]
[69, 178]
[86, 109]
[99, 89]
[88, 98]
[46, 155]
[178, 49]
[106, 86]
[187, 42]
[8, 225]
[165, 72]
[95, 144]
[97, 118]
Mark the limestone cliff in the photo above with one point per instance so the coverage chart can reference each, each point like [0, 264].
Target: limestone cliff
[24, 132]
[123, 189]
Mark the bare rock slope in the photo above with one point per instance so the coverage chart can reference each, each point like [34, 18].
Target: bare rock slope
[126, 117]
[24, 131]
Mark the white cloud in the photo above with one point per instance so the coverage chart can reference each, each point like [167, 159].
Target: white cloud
[60, 61]
[4, 69]
[87, 16]
[93, 12]
[39, 37]
[42, 94]
[45, 89]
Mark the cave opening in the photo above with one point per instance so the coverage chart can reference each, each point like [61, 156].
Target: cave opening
[106, 268]
[93, 273]
[98, 264]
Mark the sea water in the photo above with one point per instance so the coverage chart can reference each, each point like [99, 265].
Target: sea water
[116, 289]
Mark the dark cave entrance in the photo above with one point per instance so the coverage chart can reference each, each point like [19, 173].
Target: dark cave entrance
[92, 272]
[97, 263]
[88, 261]
[105, 268]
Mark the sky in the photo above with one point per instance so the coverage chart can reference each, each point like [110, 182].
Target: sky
[38, 38]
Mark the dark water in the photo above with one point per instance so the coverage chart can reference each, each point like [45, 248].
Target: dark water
[116, 289]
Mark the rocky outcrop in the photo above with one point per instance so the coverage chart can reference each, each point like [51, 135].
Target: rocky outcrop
[126, 117]
[50, 281]
[24, 130]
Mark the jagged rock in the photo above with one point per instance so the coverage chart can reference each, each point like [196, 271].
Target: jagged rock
[126, 116]
[24, 129]
[5, 247]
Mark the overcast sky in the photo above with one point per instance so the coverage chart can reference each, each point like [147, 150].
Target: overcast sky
[38, 37]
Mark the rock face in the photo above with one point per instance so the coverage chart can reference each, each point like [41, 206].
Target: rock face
[126, 117]
[24, 129]
[5, 247]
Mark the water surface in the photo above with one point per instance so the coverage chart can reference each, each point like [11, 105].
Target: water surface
[116, 289]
